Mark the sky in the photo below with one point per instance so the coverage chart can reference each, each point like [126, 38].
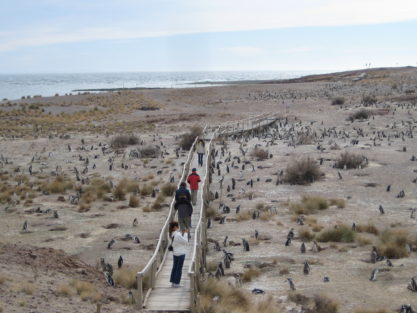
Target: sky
[60, 36]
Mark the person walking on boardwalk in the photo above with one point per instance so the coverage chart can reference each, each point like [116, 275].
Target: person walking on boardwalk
[184, 207]
[179, 243]
[193, 180]
[201, 149]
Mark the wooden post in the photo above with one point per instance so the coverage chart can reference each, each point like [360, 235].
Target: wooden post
[139, 300]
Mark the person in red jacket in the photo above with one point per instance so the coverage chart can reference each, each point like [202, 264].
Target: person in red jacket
[193, 180]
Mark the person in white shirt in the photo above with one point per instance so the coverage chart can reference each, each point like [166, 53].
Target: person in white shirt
[179, 243]
[200, 151]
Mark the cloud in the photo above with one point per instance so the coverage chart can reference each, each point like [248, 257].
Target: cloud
[124, 19]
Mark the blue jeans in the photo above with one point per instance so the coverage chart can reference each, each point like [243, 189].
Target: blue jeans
[177, 269]
[200, 158]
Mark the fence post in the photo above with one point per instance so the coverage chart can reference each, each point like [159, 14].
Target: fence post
[139, 300]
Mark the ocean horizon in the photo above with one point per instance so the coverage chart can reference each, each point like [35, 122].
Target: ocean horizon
[15, 86]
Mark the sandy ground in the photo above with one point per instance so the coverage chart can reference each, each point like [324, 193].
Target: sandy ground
[84, 234]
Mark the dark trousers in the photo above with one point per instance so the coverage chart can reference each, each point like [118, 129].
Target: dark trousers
[200, 158]
[177, 269]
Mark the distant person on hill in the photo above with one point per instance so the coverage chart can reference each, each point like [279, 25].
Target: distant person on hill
[184, 207]
[193, 180]
[201, 149]
[179, 243]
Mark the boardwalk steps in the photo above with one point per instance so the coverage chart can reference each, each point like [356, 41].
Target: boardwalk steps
[155, 293]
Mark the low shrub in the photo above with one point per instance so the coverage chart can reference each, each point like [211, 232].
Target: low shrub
[309, 205]
[59, 185]
[133, 201]
[393, 244]
[359, 115]
[126, 277]
[187, 139]
[86, 290]
[339, 203]
[151, 152]
[303, 172]
[338, 101]
[244, 216]
[351, 161]
[339, 234]
[368, 100]
[259, 154]
[368, 228]
[146, 190]
[305, 235]
[249, 274]
[27, 288]
[168, 189]
[323, 304]
[123, 141]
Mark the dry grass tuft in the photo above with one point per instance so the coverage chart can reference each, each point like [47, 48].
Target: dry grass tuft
[232, 299]
[339, 203]
[244, 216]
[66, 291]
[309, 205]
[303, 172]
[27, 288]
[369, 228]
[338, 101]
[359, 115]
[168, 189]
[86, 290]
[133, 201]
[126, 277]
[305, 235]
[266, 216]
[187, 139]
[146, 190]
[315, 304]
[259, 154]
[124, 141]
[59, 185]
[351, 161]
[371, 311]
[393, 244]
[250, 274]
[340, 234]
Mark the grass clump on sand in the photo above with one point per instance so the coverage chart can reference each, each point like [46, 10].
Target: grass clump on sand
[351, 161]
[86, 290]
[26, 287]
[338, 101]
[123, 187]
[168, 189]
[259, 154]
[309, 205]
[187, 139]
[305, 235]
[393, 244]
[368, 100]
[123, 141]
[339, 203]
[359, 115]
[59, 185]
[368, 228]
[371, 311]
[232, 299]
[249, 274]
[315, 304]
[244, 216]
[126, 277]
[133, 201]
[339, 234]
[303, 172]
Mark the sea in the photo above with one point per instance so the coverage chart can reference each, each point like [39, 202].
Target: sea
[15, 86]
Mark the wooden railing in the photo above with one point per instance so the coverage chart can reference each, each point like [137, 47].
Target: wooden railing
[198, 260]
[150, 271]
[248, 124]
[197, 266]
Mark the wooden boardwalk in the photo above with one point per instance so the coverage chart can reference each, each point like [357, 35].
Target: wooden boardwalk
[163, 297]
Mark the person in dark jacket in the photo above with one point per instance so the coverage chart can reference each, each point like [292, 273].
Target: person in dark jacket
[182, 192]
[184, 207]
[193, 180]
